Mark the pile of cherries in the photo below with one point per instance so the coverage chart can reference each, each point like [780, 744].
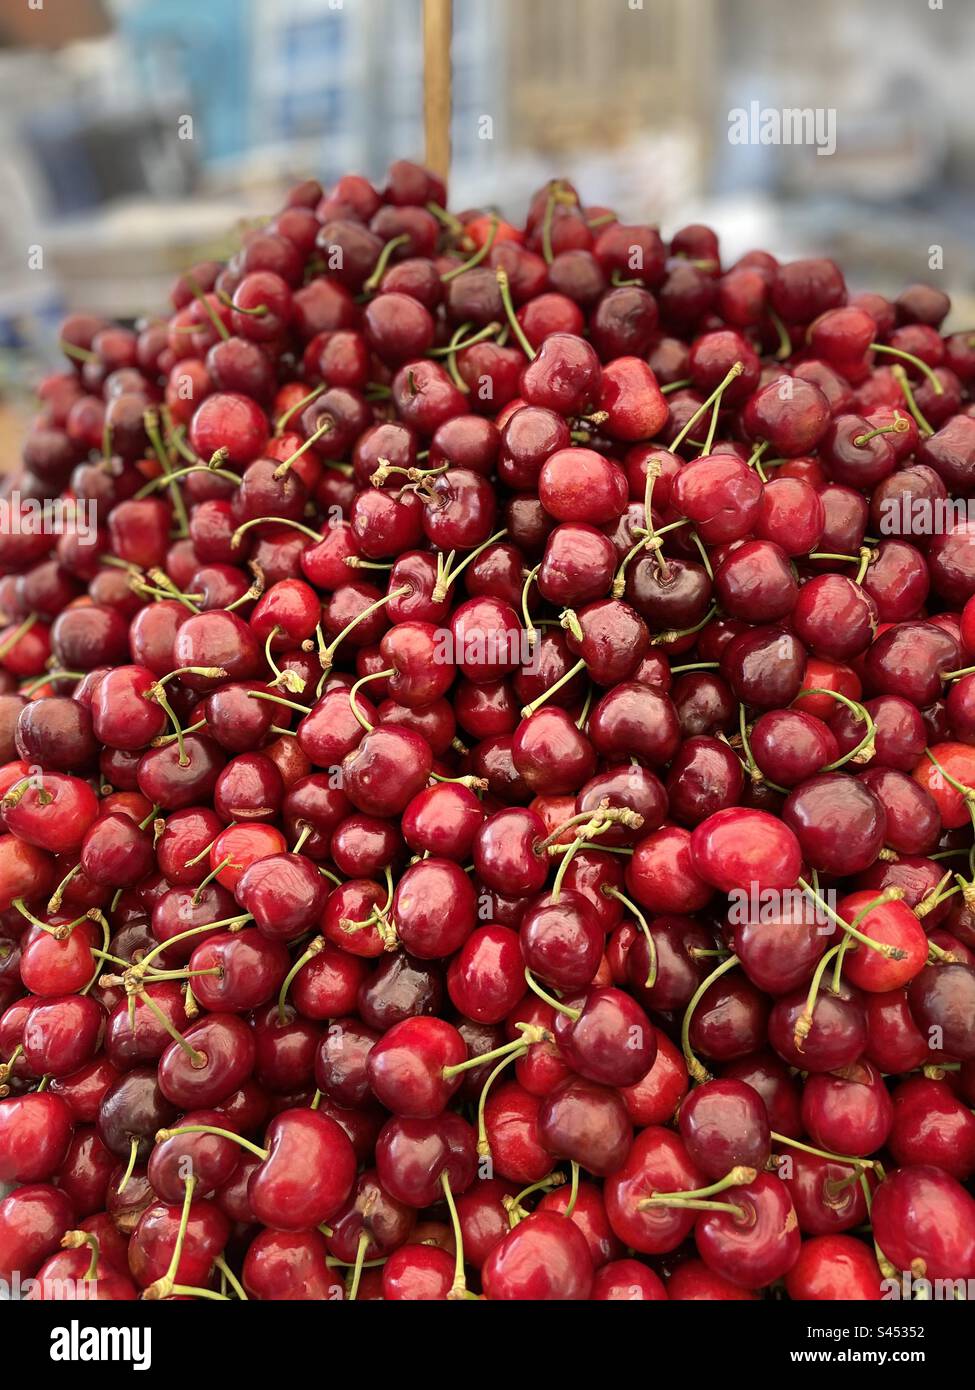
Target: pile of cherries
[487, 765]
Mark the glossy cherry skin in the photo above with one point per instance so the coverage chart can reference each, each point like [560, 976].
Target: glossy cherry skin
[131, 1111]
[611, 1042]
[485, 979]
[386, 770]
[285, 894]
[760, 1245]
[789, 746]
[308, 1174]
[434, 908]
[892, 924]
[54, 816]
[62, 1034]
[721, 495]
[831, 1268]
[633, 720]
[413, 1157]
[825, 1198]
[35, 1131]
[290, 1265]
[33, 1219]
[658, 1162]
[941, 999]
[372, 1212]
[924, 1222]
[545, 1258]
[443, 820]
[251, 965]
[228, 1046]
[511, 1123]
[740, 850]
[725, 1124]
[154, 1240]
[209, 1157]
[586, 1123]
[931, 1125]
[341, 1060]
[849, 1112]
[504, 852]
[838, 822]
[551, 753]
[562, 940]
[705, 776]
[627, 1281]
[836, 1038]
[418, 1274]
[406, 1067]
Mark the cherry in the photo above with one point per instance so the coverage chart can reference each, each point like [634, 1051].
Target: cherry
[434, 908]
[408, 1066]
[930, 1125]
[724, 1124]
[284, 893]
[35, 1131]
[940, 999]
[485, 979]
[307, 1173]
[417, 1158]
[826, 1193]
[586, 1123]
[290, 1265]
[837, 1029]
[658, 1163]
[513, 1139]
[849, 1113]
[834, 1267]
[838, 822]
[924, 1223]
[757, 1240]
[33, 1220]
[155, 1244]
[214, 1057]
[544, 1257]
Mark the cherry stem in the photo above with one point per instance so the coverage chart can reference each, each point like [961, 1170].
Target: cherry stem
[163, 1134]
[291, 681]
[479, 255]
[784, 348]
[165, 479]
[362, 1245]
[509, 309]
[612, 892]
[9, 642]
[326, 654]
[843, 1159]
[693, 1065]
[514, 1205]
[529, 710]
[379, 270]
[448, 576]
[235, 539]
[48, 678]
[354, 690]
[536, 988]
[887, 951]
[899, 426]
[197, 1059]
[483, 1143]
[282, 420]
[574, 1192]
[713, 400]
[163, 1287]
[459, 1287]
[917, 362]
[150, 420]
[230, 1277]
[60, 933]
[231, 923]
[77, 1240]
[900, 376]
[310, 952]
[530, 1033]
[676, 385]
[279, 700]
[130, 1165]
[284, 467]
[864, 749]
[739, 1176]
[54, 901]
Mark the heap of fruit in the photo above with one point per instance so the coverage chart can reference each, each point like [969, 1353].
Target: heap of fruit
[487, 769]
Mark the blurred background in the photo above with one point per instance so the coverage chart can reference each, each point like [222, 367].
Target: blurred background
[136, 134]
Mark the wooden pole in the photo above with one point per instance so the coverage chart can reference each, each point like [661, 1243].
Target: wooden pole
[437, 28]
